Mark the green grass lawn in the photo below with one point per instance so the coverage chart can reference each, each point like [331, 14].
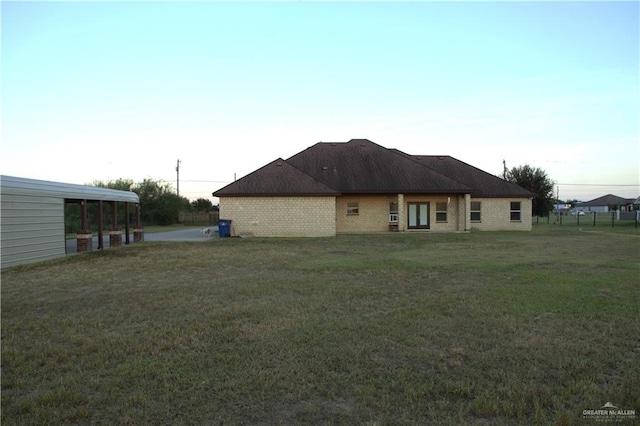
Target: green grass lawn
[480, 328]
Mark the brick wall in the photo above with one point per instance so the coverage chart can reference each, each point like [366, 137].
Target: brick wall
[495, 215]
[280, 216]
[453, 219]
[373, 214]
[326, 216]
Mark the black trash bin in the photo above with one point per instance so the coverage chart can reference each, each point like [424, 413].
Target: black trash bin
[224, 228]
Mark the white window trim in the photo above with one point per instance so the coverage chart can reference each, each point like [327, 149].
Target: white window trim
[471, 211]
[511, 211]
[393, 215]
[445, 211]
[353, 209]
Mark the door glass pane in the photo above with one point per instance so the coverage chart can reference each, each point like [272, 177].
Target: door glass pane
[424, 217]
[413, 216]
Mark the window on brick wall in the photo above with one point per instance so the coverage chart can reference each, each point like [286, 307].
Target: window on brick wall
[441, 212]
[476, 209]
[393, 212]
[353, 209]
[515, 211]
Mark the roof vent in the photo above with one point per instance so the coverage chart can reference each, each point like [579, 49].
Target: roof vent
[279, 164]
[325, 168]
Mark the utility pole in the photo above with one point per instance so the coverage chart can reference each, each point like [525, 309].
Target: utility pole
[178, 176]
[504, 169]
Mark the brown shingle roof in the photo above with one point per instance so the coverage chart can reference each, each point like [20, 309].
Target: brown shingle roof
[277, 178]
[483, 184]
[607, 200]
[363, 167]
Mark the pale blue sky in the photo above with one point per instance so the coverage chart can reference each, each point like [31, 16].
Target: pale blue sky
[119, 89]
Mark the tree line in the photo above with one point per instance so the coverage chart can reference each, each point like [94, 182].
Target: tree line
[159, 204]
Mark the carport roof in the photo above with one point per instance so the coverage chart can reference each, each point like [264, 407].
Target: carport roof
[42, 188]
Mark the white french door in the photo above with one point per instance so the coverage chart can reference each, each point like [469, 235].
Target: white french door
[418, 216]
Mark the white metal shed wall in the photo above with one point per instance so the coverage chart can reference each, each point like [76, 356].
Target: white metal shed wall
[32, 216]
[32, 229]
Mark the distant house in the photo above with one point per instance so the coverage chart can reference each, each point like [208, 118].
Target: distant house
[359, 186]
[606, 204]
[562, 208]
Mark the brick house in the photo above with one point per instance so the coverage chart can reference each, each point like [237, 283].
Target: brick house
[360, 186]
[607, 203]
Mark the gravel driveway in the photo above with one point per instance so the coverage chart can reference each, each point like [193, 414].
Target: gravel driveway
[188, 234]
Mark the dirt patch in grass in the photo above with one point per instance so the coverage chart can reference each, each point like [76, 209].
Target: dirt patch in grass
[478, 328]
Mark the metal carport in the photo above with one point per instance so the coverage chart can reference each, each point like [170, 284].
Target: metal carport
[32, 226]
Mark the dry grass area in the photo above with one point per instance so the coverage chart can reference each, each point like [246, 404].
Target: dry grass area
[480, 328]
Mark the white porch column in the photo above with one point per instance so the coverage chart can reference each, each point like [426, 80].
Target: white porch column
[401, 215]
[467, 212]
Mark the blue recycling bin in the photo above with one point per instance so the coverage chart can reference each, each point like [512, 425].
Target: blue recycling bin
[224, 228]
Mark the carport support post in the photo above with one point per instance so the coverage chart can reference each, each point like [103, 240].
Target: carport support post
[83, 237]
[100, 226]
[83, 217]
[138, 235]
[126, 223]
[115, 237]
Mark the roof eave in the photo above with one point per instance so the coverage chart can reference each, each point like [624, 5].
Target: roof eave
[480, 195]
[278, 194]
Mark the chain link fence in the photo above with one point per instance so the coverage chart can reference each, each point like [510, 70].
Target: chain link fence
[594, 219]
